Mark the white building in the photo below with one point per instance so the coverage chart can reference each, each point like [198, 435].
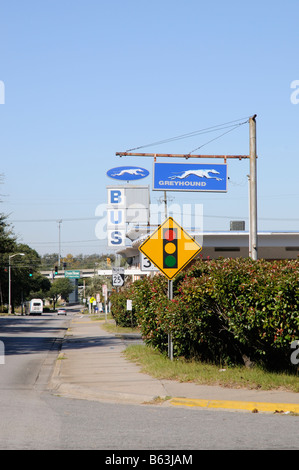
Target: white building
[227, 244]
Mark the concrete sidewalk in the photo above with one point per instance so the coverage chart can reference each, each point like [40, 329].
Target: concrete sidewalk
[91, 366]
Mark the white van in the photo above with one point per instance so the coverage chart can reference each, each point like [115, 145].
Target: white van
[34, 307]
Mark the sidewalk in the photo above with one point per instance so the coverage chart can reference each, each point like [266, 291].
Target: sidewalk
[91, 366]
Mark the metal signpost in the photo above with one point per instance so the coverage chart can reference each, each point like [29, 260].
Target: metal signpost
[170, 248]
[92, 301]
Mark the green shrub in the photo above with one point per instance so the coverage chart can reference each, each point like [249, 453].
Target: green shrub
[224, 311]
[150, 301]
[121, 315]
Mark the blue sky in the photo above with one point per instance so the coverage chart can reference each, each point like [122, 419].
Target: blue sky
[86, 79]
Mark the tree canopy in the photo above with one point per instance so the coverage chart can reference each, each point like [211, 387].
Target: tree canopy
[26, 280]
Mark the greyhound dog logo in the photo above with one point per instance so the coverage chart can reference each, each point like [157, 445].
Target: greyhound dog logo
[198, 173]
[130, 171]
[127, 173]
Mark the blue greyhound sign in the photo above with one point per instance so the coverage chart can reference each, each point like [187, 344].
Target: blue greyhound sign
[190, 177]
[127, 173]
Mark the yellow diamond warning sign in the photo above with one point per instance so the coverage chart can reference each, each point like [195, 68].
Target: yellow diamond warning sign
[170, 248]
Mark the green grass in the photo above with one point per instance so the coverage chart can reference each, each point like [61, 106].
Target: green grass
[159, 366]
[111, 327]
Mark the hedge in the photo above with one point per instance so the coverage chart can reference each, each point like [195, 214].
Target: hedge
[224, 311]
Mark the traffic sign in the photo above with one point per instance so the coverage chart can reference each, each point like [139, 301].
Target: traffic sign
[92, 300]
[146, 264]
[170, 248]
[73, 274]
[118, 277]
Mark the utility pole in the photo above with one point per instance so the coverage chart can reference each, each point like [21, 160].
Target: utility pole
[59, 242]
[165, 204]
[253, 245]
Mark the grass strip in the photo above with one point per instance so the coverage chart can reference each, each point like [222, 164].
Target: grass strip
[157, 365]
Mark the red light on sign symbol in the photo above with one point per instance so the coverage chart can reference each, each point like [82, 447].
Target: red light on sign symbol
[170, 258]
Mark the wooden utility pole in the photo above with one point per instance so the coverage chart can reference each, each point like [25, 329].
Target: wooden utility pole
[253, 245]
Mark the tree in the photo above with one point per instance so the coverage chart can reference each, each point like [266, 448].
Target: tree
[60, 288]
[23, 286]
[7, 246]
[49, 260]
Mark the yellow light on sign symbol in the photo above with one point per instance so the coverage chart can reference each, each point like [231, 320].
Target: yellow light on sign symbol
[170, 248]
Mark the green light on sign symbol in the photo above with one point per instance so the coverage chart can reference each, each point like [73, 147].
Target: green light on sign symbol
[170, 248]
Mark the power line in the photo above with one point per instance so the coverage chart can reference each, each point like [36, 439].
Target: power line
[65, 242]
[74, 219]
[192, 134]
[212, 140]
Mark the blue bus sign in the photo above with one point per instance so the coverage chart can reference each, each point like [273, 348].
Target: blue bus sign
[127, 173]
[190, 177]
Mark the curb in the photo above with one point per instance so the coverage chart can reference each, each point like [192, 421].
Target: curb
[254, 407]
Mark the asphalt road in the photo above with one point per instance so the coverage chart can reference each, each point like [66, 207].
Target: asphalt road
[33, 418]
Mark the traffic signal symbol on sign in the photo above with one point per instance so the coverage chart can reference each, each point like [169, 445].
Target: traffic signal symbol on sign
[170, 248]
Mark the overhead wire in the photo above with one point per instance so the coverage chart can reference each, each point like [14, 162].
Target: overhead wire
[193, 134]
[218, 137]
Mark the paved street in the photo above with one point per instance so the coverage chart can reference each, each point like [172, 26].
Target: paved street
[34, 417]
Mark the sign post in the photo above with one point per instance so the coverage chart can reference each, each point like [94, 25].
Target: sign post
[170, 248]
[170, 343]
[92, 300]
[105, 295]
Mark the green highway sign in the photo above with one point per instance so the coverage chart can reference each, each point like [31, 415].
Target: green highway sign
[73, 274]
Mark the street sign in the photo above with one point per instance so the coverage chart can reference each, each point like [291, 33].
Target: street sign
[105, 291]
[92, 300]
[73, 274]
[118, 277]
[146, 264]
[190, 177]
[170, 248]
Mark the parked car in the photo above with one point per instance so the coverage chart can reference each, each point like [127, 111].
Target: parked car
[61, 311]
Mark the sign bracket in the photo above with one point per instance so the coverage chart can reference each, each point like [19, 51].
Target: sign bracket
[253, 239]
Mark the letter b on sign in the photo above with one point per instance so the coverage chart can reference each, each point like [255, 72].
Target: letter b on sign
[116, 197]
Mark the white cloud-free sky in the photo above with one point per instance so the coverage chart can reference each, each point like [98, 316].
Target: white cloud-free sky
[86, 79]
